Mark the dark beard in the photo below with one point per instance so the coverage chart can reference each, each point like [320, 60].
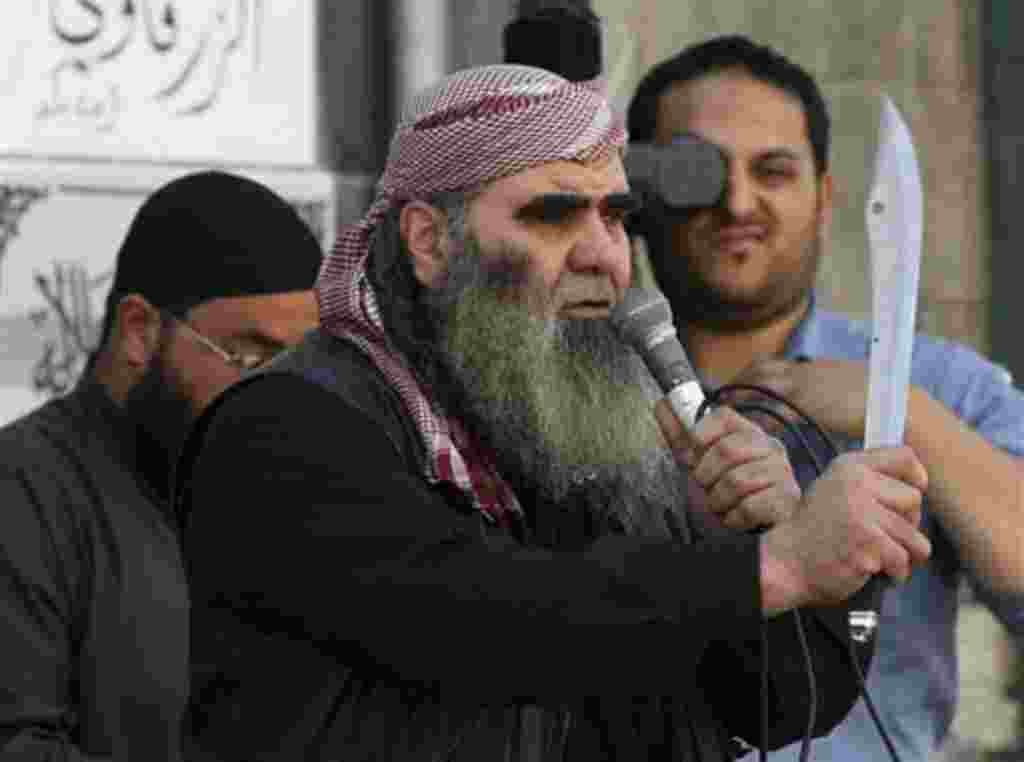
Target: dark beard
[161, 414]
[696, 302]
[563, 405]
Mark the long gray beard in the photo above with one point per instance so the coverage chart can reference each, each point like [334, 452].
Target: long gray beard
[563, 404]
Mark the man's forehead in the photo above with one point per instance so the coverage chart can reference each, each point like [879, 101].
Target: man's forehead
[738, 112]
[596, 180]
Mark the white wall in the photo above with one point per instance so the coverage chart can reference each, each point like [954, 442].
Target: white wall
[177, 80]
[102, 106]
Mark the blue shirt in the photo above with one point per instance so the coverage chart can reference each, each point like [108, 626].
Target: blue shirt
[913, 679]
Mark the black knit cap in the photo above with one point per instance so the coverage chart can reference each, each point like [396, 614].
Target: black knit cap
[562, 37]
[211, 235]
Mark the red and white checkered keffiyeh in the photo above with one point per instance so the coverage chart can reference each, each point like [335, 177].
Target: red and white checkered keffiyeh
[473, 127]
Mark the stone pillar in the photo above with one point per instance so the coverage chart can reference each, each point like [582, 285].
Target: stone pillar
[355, 85]
[476, 28]
[422, 46]
[371, 60]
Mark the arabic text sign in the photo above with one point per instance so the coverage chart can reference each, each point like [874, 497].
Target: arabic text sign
[164, 80]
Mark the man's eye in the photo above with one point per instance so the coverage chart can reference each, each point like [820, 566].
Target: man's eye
[618, 216]
[619, 213]
[776, 173]
[550, 214]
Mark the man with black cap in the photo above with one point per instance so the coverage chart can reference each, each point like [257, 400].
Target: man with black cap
[213, 278]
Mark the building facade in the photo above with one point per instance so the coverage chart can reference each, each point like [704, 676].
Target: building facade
[105, 100]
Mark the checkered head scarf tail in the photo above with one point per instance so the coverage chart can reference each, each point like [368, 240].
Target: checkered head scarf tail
[471, 128]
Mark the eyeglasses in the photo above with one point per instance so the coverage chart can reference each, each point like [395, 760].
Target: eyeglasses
[240, 360]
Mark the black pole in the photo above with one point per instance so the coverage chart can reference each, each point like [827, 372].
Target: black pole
[1002, 112]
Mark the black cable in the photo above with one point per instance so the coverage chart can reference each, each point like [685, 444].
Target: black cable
[761, 753]
[819, 468]
[871, 704]
[812, 688]
[826, 440]
[750, 407]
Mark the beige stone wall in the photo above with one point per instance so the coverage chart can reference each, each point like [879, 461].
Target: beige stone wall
[924, 55]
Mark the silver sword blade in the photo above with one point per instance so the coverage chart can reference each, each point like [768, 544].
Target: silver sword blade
[895, 231]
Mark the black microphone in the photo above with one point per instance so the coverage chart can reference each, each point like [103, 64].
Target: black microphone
[643, 320]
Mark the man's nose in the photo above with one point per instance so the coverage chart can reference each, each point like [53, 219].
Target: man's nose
[740, 193]
[602, 248]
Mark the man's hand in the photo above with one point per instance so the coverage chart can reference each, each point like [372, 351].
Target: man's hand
[832, 392]
[858, 519]
[745, 473]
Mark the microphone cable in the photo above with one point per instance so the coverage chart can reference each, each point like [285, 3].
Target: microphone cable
[818, 467]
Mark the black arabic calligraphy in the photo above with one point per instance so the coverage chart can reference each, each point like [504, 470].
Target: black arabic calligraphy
[84, 22]
[96, 32]
[75, 97]
[68, 297]
[219, 41]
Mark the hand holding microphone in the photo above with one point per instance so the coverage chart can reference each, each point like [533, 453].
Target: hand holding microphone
[745, 473]
[643, 320]
[857, 520]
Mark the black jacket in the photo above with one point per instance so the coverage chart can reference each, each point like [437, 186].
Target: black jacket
[93, 605]
[346, 610]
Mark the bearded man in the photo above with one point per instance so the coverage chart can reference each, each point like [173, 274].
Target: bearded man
[213, 278]
[410, 538]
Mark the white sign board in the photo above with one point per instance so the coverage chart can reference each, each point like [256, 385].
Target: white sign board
[104, 101]
[224, 81]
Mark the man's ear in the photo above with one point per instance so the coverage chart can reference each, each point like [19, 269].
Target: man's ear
[136, 331]
[424, 231]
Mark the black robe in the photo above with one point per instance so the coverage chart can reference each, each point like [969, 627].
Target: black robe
[344, 609]
[93, 603]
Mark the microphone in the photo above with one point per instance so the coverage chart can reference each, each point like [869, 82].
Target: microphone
[643, 320]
